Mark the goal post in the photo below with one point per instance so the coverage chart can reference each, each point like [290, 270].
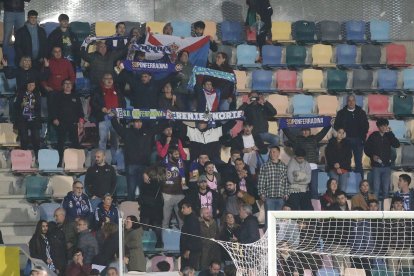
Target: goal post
[340, 243]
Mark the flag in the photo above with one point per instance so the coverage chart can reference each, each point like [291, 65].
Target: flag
[197, 46]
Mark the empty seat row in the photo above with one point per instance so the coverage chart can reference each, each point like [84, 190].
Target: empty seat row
[322, 56]
[332, 80]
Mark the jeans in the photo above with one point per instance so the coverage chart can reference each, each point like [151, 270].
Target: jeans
[300, 201]
[382, 181]
[272, 139]
[11, 19]
[170, 204]
[105, 128]
[342, 180]
[313, 186]
[357, 146]
[134, 179]
[273, 204]
[72, 131]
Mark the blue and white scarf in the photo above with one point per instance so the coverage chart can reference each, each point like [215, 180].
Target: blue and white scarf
[209, 72]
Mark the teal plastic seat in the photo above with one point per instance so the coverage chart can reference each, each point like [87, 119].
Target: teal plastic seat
[295, 55]
[403, 106]
[36, 187]
[336, 80]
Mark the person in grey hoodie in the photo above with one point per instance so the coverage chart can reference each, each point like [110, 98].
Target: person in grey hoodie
[299, 177]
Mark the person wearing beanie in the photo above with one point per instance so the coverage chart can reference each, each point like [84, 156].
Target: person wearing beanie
[299, 177]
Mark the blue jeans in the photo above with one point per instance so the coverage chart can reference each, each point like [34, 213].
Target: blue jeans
[273, 204]
[357, 146]
[342, 180]
[11, 19]
[105, 128]
[272, 139]
[134, 179]
[382, 181]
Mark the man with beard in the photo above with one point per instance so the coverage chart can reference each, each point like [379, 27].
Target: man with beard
[209, 230]
[233, 196]
[172, 189]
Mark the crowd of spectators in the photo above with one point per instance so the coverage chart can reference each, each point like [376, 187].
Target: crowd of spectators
[193, 191]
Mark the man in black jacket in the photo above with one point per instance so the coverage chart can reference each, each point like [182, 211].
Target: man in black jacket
[13, 19]
[354, 121]
[259, 110]
[138, 143]
[31, 41]
[66, 113]
[100, 179]
[249, 228]
[378, 149]
[190, 246]
[64, 38]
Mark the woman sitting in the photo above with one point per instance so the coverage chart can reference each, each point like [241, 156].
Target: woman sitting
[329, 198]
[361, 199]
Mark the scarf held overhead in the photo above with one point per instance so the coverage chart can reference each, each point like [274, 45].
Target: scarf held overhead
[305, 122]
[151, 66]
[209, 72]
[156, 114]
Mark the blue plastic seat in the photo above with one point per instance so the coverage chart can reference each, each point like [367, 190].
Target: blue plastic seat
[121, 191]
[149, 239]
[231, 32]
[246, 56]
[171, 240]
[302, 105]
[36, 187]
[408, 79]
[80, 29]
[399, 129]
[379, 30]
[346, 55]
[353, 183]
[48, 160]
[322, 180]
[327, 272]
[262, 80]
[181, 28]
[387, 79]
[50, 27]
[355, 31]
[47, 211]
[272, 56]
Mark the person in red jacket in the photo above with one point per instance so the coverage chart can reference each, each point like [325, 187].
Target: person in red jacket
[60, 69]
[77, 266]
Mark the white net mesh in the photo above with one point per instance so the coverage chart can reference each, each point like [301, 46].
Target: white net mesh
[377, 246]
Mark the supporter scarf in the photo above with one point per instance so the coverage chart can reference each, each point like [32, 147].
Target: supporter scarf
[166, 50]
[48, 253]
[78, 204]
[90, 39]
[156, 114]
[305, 122]
[151, 66]
[215, 103]
[209, 72]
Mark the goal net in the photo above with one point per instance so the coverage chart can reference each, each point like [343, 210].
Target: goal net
[329, 243]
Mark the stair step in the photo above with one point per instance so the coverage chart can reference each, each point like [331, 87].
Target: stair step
[13, 240]
[18, 228]
[23, 214]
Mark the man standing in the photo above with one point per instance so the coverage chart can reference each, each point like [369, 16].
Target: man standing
[354, 121]
[172, 189]
[259, 110]
[249, 228]
[204, 197]
[190, 246]
[31, 41]
[272, 185]
[77, 204]
[100, 179]
[378, 149]
[65, 39]
[86, 241]
[208, 230]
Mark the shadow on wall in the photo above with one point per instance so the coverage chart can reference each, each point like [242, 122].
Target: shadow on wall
[232, 11]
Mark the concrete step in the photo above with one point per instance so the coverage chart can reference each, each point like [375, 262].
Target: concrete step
[12, 240]
[12, 201]
[24, 213]
[18, 228]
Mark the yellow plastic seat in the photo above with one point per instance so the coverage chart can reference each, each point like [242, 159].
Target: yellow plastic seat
[281, 104]
[282, 31]
[322, 55]
[104, 28]
[8, 138]
[211, 29]
[312, 80]
[327, 105]
[155, 27]
[241, 78]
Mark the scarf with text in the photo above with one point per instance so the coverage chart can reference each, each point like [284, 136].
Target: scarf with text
[209, 72]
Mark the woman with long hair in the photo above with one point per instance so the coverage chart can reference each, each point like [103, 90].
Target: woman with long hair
[133, 244]
[329, 197]
[110, 245]
[361, 199]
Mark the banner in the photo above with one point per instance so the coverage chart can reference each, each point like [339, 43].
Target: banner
[165, 50]
[9, 261]
[209, 72]
[198, 47]
[156, 114]
[151, 66]
[305, 122]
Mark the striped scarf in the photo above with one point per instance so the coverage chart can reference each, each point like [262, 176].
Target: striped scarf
[209, 72]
